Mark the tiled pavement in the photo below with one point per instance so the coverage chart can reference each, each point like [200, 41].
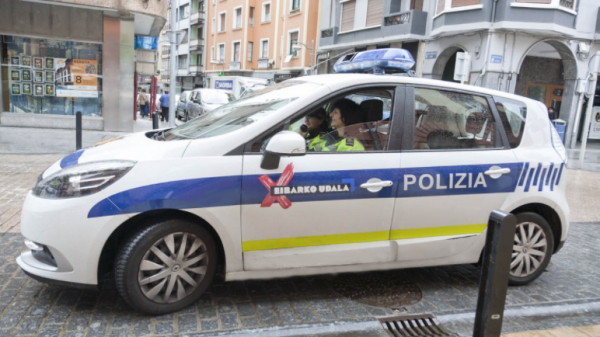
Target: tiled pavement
[28, 307]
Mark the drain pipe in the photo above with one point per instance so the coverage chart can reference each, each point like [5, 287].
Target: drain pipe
[581, 89]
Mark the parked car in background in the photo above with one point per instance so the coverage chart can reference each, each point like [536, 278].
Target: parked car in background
[204, 100]
[182, 111]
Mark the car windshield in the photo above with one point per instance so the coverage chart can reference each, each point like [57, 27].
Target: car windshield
[243, 112]
[216, 97]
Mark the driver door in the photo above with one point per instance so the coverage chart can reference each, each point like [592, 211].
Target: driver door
[317, 210]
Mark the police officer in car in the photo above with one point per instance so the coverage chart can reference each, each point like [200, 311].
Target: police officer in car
[315, 129]
[345, 112]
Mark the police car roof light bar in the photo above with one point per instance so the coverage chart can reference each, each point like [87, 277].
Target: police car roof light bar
[378, 62]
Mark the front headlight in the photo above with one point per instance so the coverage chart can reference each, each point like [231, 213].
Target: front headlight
[81, 180]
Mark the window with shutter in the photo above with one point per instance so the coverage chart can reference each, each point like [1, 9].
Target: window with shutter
[348, 9]
[374, 13]
[441, 5]
[462, 3]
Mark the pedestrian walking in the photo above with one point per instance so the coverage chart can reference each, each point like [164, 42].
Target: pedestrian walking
[164, 106]
[143, 101]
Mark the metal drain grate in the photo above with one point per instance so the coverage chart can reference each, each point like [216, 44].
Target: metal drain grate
[424, 325]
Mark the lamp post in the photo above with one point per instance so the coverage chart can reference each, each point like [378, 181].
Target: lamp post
[311, 48]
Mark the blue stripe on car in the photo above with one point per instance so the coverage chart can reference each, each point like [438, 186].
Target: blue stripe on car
[235, 190]
[71, 160]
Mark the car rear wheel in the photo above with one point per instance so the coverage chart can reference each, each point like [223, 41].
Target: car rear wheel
[166, 267]
[532, 248]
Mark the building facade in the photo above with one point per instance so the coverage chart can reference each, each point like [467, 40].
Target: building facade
[256, 38]
[535, 48]
[63, 56]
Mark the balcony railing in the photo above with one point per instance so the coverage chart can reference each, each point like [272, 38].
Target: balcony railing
[325, 33]
[196, 69]
[197, 45]
[398, 19]
[197, 18]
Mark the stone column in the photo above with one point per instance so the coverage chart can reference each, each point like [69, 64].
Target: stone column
[118, 69]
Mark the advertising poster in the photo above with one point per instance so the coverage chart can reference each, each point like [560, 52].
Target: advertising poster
[76, 78]
[38, 76]
[15, 61]
[26, 88]
[38, 90]
[595, 127]
[38, 63]
[15, 75]
[15, 89]
[26, 75]
[26, 61]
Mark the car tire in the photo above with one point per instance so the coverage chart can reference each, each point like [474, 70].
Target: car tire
[532, 248]
[155, 276]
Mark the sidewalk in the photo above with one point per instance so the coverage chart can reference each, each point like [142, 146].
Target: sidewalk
[582, 331]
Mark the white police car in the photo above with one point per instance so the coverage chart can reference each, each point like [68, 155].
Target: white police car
[236, 188]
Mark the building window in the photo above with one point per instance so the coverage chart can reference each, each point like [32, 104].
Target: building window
[293, 40]
[266, 12]
[221, 52]
[569, 4]
[184, 12]
[212, 28]
[444, 5]
[251, 17]
[182, 62]
[295, 5]
[201, 6]
[235, 57]
[347, 19]
[250, 49]
[462, 3]
[166, 50]
[374, 13]
[199, 59]
[222, 21]
[212, 54]
[237, 18]
[185, 36]
[395, 6]
[264, 48]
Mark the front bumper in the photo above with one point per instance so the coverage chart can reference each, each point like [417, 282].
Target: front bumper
[74, 241]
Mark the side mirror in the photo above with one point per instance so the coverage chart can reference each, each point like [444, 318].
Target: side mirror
[284, 143]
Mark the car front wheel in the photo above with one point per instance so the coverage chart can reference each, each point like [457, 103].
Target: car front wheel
[532, 248]
[166, 267]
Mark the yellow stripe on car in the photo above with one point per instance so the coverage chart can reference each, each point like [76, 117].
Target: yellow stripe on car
[336, 239]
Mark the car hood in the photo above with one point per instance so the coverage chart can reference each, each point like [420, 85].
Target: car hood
[135, 147]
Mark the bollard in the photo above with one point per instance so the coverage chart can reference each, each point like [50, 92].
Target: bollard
[494, 274]
[78, 130]
[154, 121]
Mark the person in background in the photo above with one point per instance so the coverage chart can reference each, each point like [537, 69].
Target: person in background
[551, 114]
[164, 106]
[143, 102]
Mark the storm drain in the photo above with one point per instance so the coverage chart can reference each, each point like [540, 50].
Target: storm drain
[424, 325]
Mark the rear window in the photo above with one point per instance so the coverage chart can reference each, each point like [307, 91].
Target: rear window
[512, 114]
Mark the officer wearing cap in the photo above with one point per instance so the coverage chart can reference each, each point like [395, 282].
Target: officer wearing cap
[345, 112]
[315, 129]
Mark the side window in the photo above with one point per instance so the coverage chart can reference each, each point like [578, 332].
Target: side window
[354, 122]
[512, 115]
[451, 120]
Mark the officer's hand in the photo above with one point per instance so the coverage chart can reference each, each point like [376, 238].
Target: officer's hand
[303, 134]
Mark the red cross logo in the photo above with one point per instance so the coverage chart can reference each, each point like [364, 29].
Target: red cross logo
[283, 180]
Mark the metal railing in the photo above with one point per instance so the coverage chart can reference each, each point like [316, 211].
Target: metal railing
[197, 18]
[397, 19]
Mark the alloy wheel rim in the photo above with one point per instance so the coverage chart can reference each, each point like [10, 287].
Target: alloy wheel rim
[173, 268]
[529, 249]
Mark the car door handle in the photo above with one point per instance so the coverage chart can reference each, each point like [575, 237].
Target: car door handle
[497, 171]
[385, 183]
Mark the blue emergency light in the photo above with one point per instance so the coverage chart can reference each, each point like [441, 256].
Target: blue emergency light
[378, 61]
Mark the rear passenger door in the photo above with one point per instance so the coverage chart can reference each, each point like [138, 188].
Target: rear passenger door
[455, 169]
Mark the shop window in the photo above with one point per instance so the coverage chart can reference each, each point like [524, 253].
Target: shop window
[51, 76]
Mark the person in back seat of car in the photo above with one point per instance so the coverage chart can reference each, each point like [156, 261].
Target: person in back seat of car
[345, 112]
[315, 129]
